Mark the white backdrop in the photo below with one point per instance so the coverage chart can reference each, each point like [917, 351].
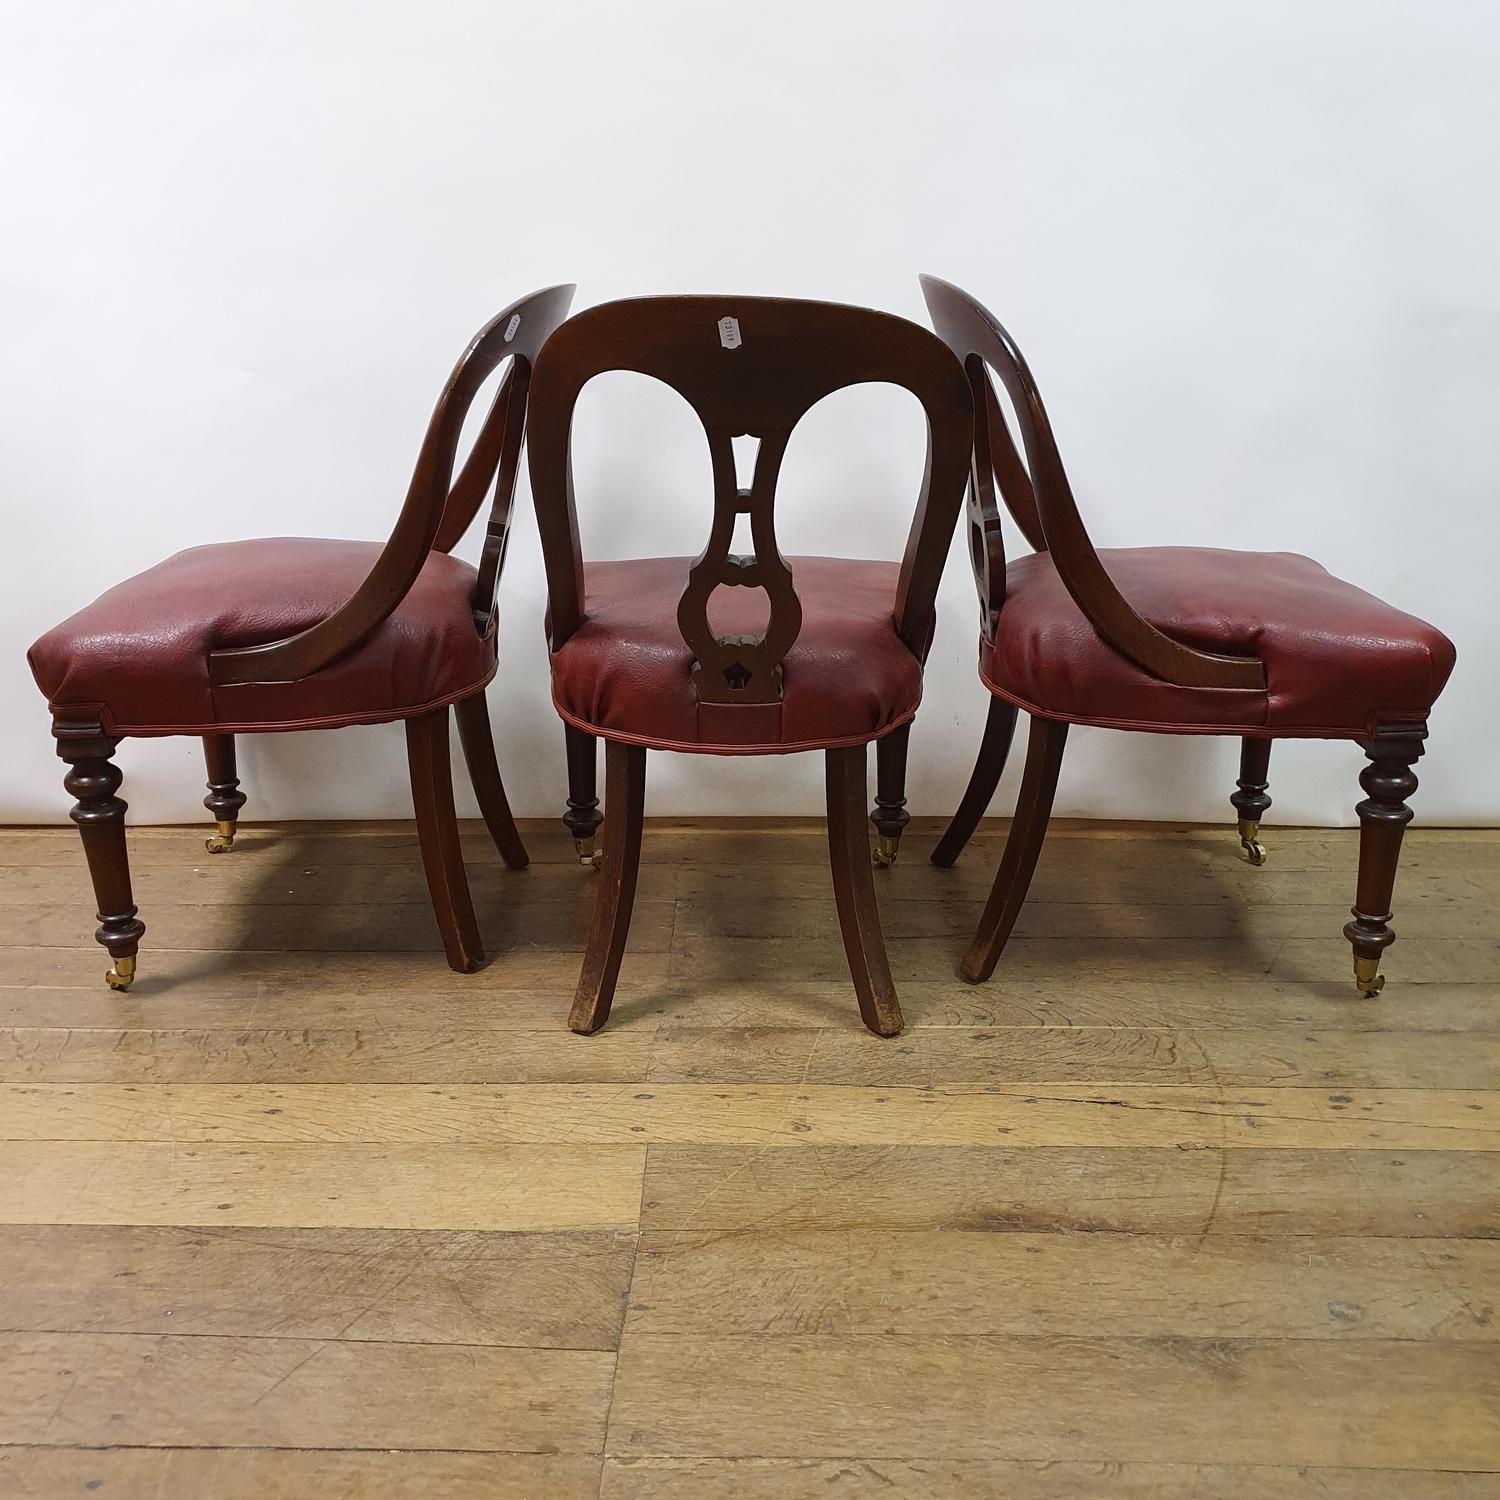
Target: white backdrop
[1253, 253]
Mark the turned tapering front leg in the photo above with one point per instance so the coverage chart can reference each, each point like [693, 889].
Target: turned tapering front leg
[94, 779]
[1251, 801]
[225, 799]
[890, 816]
[583, 817]
[1388, 781]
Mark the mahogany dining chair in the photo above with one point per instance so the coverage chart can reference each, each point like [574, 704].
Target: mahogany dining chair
[1170, 640]
[731, 654]
[289, 633]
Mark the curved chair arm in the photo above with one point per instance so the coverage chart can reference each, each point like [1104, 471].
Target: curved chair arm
[436, 509]
[973, 333]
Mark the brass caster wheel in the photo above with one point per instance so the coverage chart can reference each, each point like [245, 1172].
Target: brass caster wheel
[589, 854]
[886, 849]
[221, 841]
[121, 974]
[1255, 851]
[1367, 976]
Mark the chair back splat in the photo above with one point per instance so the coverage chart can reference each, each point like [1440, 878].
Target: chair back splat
[748, 366]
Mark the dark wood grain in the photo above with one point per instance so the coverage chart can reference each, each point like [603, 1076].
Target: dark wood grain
[1044, 753]
[741, 668]
[582, 816]
[890, 816]
[994, 751]
[224, 799]
[99, 814]
[478, 741]
[437, 832]
[625, 799]
[1388, 781]
[854, 891]
[1250, 799]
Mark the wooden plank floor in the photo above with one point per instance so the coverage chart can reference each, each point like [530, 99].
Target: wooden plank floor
[1164, 1210]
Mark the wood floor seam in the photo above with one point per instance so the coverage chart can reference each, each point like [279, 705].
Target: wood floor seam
[1162, 1210]
[311, 1338]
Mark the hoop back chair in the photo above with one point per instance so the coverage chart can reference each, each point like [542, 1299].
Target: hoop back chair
[289, 633]
[827, 657]
[1172, 640]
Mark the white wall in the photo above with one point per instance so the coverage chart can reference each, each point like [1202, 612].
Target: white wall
[1251, 251]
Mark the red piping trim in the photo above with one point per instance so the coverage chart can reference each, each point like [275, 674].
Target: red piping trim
[697, 747]
[216, 726]
[1253, 731]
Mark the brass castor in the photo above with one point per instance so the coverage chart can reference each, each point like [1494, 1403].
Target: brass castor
[221, 841]
[886, 849]
[1255, 851]
[121, 974]
[1367, 976]
[588, 852]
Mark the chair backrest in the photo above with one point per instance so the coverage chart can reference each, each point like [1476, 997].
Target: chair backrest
[438, 509]
[1040, 501]
[748, 366]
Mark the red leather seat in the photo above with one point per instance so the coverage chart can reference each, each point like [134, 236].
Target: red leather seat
[626, 673]
[139, 653]
[1337, 659]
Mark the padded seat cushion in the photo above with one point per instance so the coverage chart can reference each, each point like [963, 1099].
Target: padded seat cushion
[1337, 660]
[139, 653]
[626, 672]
